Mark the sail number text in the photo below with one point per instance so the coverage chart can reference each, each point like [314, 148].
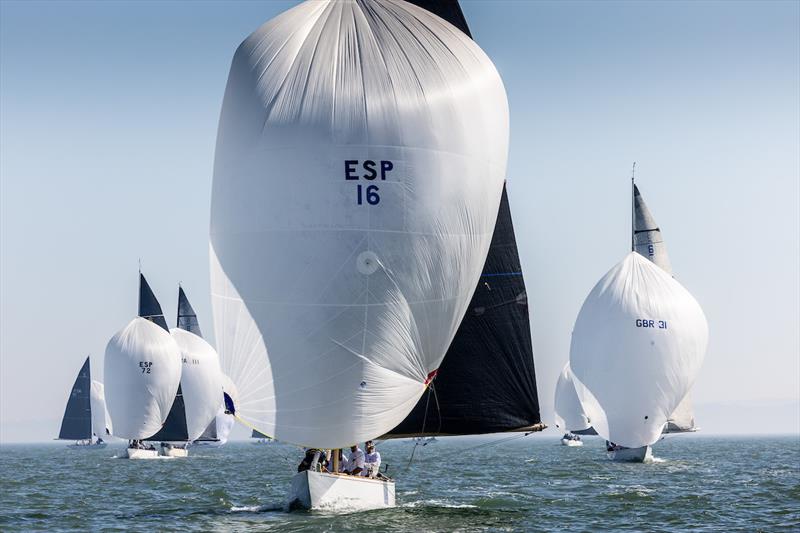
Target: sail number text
[145, 366]
[372, 170]
[645, 323]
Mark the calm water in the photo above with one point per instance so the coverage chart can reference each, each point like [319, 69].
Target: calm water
[699, 483]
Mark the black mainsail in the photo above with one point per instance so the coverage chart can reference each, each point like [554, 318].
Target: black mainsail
[187, 318]
[174, 428]
[487, 381]
[77, 421]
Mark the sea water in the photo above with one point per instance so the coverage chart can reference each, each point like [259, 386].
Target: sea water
[698, 483]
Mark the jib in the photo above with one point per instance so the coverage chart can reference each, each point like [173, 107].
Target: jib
[370, 171]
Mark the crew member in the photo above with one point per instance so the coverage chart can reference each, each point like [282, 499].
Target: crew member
[355, 464]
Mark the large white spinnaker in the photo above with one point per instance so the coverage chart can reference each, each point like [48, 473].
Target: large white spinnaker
[637, 345]
[359, 166]
[142, 374]
[569, 415]
[201, 381]
[101, 422]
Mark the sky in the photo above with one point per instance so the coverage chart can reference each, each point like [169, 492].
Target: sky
[108, 117]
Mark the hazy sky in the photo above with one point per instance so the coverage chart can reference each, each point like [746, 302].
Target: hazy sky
[108, 116]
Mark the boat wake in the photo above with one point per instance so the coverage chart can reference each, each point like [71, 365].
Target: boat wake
[257, 508]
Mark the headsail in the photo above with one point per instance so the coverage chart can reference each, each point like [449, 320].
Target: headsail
[77, 421]
[569, 413]
[637, 345]
[359, 167]
[101, 423]
[174, 428]
[487, 382]
[682, 418]
[258, 435]
[149, 307]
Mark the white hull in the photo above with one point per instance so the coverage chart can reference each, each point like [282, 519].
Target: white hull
[570, 442]
[320, 490]
[174, 452]
[632, 455]
[136, 453]
[94, 446]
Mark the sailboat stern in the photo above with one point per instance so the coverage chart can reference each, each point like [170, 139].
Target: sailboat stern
[320, 490]
[631, 455]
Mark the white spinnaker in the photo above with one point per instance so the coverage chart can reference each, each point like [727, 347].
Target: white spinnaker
[329, 313]
[682, 418]
[201, 381]
[630, 375]
[569, 413]
[142, 373]
[100, 419]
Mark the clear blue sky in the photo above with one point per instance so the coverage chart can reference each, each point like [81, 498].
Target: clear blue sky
[108, 115]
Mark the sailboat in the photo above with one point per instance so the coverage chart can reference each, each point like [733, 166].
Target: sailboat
[569, 414]
[648, 241]
[359, 169]
[142, 375]
[260, 438]
[637, 346]
[197, 401]
[85, 414]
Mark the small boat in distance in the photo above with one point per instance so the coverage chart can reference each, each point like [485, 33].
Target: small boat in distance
[85, 413]
[260, 438]
[569, 415]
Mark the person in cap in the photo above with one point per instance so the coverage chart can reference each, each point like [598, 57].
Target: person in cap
[372, 460]
[355, 464]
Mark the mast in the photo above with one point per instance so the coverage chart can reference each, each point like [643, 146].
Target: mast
[633, 208]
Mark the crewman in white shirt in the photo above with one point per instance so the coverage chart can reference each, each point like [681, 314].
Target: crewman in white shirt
[372, 460]
[355, 464]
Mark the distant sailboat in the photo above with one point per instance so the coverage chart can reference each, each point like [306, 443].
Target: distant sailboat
[569, 415]
[142, 375]
[260, 438]
[85, 414]
[338, 291]
[637, 345]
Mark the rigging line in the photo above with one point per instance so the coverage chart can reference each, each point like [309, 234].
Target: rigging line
[424, 419]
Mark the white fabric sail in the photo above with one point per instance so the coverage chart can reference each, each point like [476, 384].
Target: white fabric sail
[569, 415]
[682, 418]
[142, 373]
[201, 381]
[359, 166]
[638, 343]
[225, 423]
[101, 423]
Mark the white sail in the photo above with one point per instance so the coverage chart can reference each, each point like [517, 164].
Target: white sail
[201, 381]
[359, 166]
[225, 423]
[638, 343]
[142, 373]
[101, 422]
[682, 418]
[569, 413]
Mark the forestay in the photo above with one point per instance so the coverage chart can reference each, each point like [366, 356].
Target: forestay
[359, 165]
[638, 343]
[569, 415]
[142, 374]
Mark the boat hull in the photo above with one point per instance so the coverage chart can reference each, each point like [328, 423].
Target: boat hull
[571, 442]
[631, 455]
[136, 453]
[94, 446]
[174, 452]
[321, 490]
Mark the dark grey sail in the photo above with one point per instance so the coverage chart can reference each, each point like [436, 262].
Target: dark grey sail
[487, 381]
[174, 428]
[258, 435]
[187, 318]
[210, 433]
[647, 238]
[149, 307]
[77, 421]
